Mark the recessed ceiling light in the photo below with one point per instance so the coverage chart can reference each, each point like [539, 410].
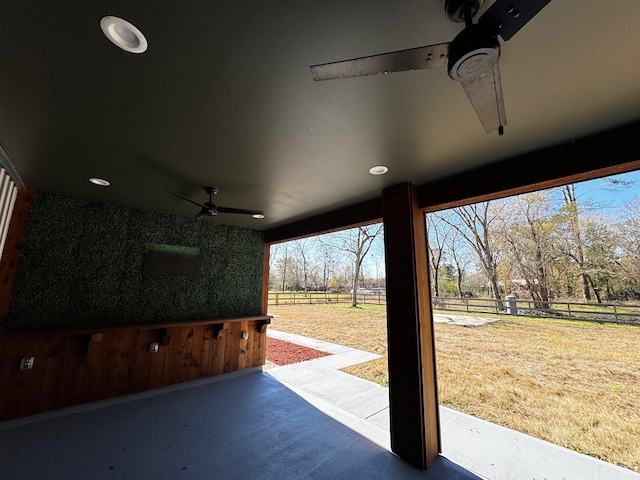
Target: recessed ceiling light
[123, 34]
[258, 215]
[100, 181]
[378, 170]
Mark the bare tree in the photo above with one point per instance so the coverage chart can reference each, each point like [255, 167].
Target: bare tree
[461, 258]
[302, 248]
[576, 252]
[438, 229]
[284, 268]
[473, 222]
[356, 243]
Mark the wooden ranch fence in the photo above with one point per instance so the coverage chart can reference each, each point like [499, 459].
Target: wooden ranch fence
[602, 312]
[594, 312]
[300, 298]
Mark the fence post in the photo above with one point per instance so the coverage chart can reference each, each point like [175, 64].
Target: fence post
[277, 295]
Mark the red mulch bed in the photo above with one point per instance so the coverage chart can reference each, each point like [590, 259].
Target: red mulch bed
[284, 353]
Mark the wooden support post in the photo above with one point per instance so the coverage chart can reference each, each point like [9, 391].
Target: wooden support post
[413, 394]
[265, 279]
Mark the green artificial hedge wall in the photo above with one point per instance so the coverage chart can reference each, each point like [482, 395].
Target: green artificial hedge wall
[81, 266]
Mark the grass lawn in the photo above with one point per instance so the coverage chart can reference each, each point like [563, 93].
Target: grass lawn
[576, 384]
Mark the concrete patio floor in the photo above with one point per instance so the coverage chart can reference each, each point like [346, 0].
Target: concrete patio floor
[248, 426]
[302, 421]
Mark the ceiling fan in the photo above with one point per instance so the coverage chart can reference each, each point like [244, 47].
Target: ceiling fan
[471, 57]
[209, 209]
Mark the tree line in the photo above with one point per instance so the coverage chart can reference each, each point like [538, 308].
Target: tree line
[555, 244]
[547, 245]
[346, 261]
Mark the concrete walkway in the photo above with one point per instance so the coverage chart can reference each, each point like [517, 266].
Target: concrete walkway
[488, 450]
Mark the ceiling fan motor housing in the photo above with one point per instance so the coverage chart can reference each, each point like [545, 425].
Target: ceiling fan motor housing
[472, 53]
[457, 10]
[208, 210]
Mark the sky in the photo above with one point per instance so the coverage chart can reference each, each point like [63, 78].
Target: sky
[599, 192]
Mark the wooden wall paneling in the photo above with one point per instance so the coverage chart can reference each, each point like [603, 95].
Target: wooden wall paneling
[174, 355]
[111, 349]
[260, 345]
[207, 351]
[89, 368]
[23, 396]
[245, 351]
[261, 358]
[123, 362]
[73, 367]
[139, 369]
[182, 356]
[12, 247]
[196, 353]
[220, 349]
[7, 362]
[256, 342]
[232, 347]
[105, 354]
[60, 371]
[160, 361]
[174, 351]
[75, 353]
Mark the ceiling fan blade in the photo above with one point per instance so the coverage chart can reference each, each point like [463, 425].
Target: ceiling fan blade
[430, 56]
[238, 210]
[185, 198]
[485, 94]
[506, 17]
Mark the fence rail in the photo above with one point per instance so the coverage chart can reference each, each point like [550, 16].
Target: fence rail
[299, 298]
[594, 312]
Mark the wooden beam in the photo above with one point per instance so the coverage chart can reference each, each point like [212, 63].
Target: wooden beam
[413, 395]
[12, 247]
[602, 154]
[363, 213]
[607, 153]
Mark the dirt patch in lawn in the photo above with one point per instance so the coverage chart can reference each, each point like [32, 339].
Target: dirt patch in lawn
[283, 353]
[575, 384]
